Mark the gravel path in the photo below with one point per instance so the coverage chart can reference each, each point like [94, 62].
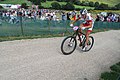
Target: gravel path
[41, 59]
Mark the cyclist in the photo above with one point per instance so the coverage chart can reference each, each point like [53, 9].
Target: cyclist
[87, 24]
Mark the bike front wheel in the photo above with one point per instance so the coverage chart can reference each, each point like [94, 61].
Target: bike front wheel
[68, 45]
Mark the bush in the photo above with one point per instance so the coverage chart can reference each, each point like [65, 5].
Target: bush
[113, 74]
[109, 76]
[24, 5]
[102, 7]
[117, 6]
[40, 7]
[37, 2]
[50, 0]
[115, 68]
[96, 4]
[60, 0]
[56, 5]
[91, 4]
[77, 2]
[1, 7]
[85, 3]
[68, 6]
[43, 0]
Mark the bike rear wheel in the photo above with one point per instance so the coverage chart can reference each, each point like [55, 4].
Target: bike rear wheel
[89, 45]
[68, 45]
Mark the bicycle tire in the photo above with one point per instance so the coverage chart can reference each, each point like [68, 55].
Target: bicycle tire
[83, 44]
[63, 43]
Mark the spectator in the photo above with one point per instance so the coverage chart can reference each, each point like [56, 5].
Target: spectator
[63, 16]
[98, 17]
[68, 16]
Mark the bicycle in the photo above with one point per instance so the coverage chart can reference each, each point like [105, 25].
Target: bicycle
[71, 42]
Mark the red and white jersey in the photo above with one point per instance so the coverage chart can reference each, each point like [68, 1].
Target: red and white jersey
[87, 21]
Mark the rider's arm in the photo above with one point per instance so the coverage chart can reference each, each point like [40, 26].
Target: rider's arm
[75, 21]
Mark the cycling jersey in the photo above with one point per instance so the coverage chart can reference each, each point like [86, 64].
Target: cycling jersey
[87, 21]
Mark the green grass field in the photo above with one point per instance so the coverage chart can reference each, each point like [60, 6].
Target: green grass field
[15, 2]
[48, 3]
[109, 2]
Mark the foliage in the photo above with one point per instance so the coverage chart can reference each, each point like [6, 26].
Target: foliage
[113, 74]
[117, 6]
[68, 6]
[102, 6]
[77, 2]
[91, 4]
[40, 7]
[24, 5]
[37, 2]
[56, 5]
[96, 4]
[84, 3]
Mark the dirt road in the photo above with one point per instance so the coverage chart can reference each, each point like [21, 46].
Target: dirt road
[41, 59]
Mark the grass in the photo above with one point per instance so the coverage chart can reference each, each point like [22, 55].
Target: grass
[11, 38]
[87, 7]
[15, 2]
[113, 74]
[49, 35]
[48, 4]
[109, 2]
[98, 11]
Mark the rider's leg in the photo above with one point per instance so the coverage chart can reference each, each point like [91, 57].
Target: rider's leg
[87, 39]
[87, 36]
[80, 30]
[81, 25]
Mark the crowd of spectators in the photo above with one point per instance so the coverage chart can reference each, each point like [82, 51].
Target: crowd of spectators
[13, 16]
[110, 17]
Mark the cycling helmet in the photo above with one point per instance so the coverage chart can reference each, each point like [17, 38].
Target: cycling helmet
[83, 11]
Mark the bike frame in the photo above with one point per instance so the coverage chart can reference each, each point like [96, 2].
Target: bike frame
[77, 33]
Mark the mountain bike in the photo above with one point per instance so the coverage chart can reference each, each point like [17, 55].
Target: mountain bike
[70, 42]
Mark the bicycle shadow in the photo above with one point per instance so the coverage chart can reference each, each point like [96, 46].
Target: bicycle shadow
[79, 49]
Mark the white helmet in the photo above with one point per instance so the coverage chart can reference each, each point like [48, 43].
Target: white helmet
[83, 11]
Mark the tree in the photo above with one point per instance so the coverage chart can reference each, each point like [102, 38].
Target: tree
[77, 2]
[68, 6]
[40, 7]
[96, 4]
[24, 5]
[102, 6]
[117, 6]
[91, 4]
[37, 2]
[44, 0]
[60, 0]
[56, 5]
[50, 0]
[84, 3]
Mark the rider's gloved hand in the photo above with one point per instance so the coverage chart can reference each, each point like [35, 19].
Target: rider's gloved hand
[82, 28]
[71, 25]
